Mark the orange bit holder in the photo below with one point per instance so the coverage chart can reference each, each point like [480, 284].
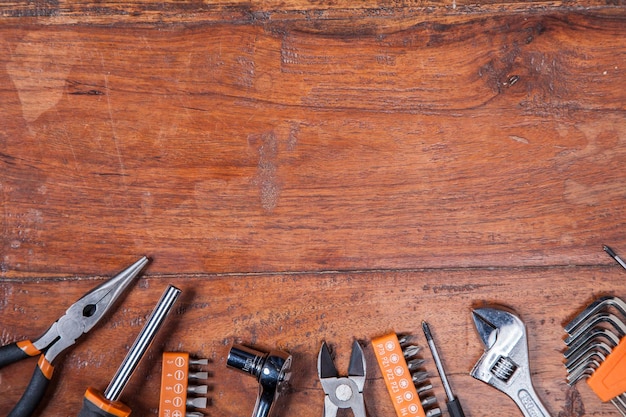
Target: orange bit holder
[609, 380]
[397, 376]
[174, 381]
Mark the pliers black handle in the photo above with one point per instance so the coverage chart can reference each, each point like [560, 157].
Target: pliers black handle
[36, 389]
[81, 317]
[15, 352]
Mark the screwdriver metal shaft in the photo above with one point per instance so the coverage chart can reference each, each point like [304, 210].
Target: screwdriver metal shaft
[453, 404]
[613, 255]
[142, 343]
[96, 404]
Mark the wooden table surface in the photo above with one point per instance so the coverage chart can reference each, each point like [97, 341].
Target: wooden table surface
[309, 171]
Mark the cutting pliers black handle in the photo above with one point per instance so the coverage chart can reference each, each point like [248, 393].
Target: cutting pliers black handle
[36, 389]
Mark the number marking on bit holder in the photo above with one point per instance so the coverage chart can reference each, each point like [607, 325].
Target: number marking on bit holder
[397, 376]
[175, 377]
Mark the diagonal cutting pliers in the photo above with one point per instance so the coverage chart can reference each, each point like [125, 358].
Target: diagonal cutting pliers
[342, 392]
[79, 319]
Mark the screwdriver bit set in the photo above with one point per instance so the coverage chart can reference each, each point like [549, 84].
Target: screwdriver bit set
[404, 376]
[176, 391]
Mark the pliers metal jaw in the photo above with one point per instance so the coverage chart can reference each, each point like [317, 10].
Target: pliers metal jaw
[78, 319]
[342, 392]
[505, 365]
[85, 313]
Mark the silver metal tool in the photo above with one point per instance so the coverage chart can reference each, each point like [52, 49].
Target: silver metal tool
[613, 255]
[577, 346]
[592, 351]
[592, 337]
[202, 401]
[603, 306]
[107, 404]
[453, 404]
[272, 370]
[142, 343]
[342, 392]
[504, 365]
[80, 318]
[420, 377]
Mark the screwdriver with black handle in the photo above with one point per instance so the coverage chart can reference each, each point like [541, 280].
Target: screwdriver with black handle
[107, 404]
[453, 404]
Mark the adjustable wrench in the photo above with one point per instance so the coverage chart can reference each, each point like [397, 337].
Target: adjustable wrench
[504, 365]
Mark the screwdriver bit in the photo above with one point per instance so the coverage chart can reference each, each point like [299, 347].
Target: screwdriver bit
[453, 404]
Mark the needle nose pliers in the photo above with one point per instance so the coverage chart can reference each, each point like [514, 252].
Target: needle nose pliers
[79, 319]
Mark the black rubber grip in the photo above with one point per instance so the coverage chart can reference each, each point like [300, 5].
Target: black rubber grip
[90, 410]
[454, 408]
[32, 396]
[95, 404]
[11, 353]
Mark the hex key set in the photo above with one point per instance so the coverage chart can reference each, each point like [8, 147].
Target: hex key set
[596, 350]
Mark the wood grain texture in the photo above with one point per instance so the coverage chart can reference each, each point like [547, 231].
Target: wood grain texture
[308, 172]
[247, 150]
[368, 16]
